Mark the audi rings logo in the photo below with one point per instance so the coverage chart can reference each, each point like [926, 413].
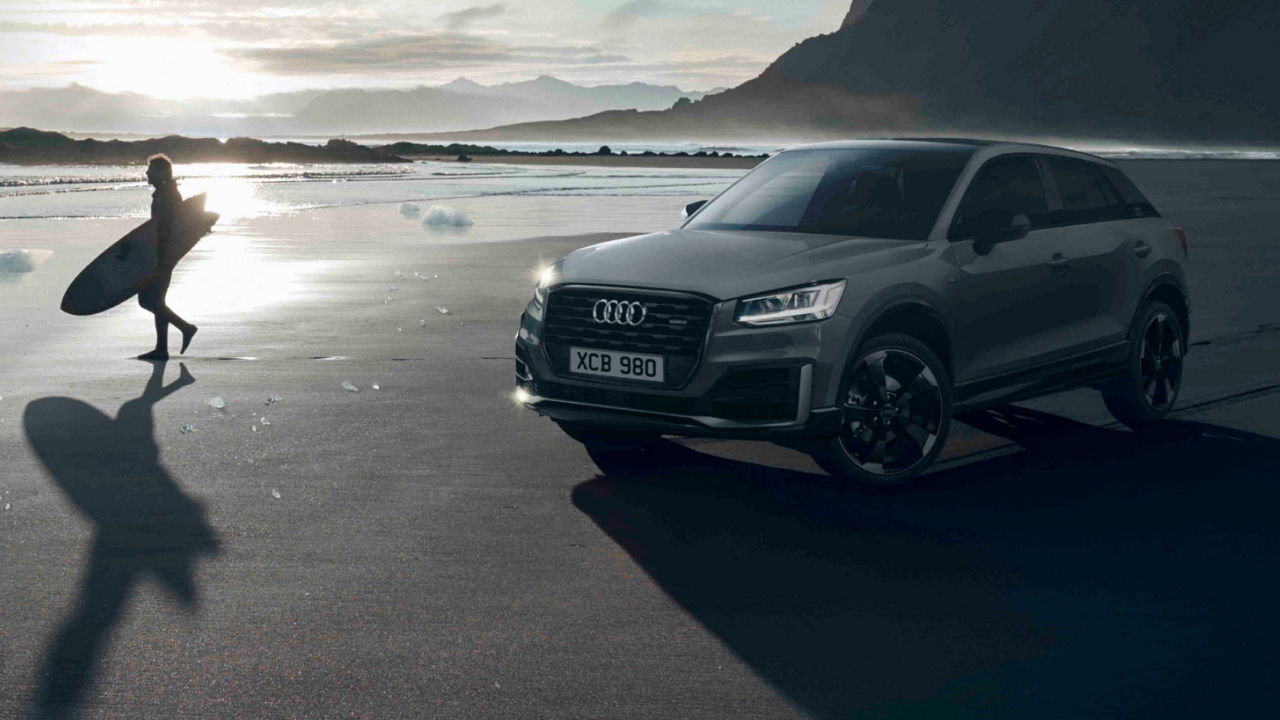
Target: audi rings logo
[615, 312]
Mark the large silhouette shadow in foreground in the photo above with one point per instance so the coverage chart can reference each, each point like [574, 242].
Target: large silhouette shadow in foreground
[1095, 574]
[145, 525]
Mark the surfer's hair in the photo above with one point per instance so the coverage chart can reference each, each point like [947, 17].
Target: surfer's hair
[161, 165]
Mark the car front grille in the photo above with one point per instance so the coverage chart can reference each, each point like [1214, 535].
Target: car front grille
[674, 326]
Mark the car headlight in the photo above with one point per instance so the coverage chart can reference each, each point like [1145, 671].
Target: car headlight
[546, 278]
[805, 304]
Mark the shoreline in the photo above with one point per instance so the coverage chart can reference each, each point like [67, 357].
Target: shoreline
[736, 162]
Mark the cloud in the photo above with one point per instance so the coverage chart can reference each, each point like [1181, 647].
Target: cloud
[56, 69]
[462, 18]
[628, 12]
[91, 30]
[415, 53]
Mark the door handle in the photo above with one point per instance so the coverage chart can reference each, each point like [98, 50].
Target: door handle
[1059, 263]
[1141, 249]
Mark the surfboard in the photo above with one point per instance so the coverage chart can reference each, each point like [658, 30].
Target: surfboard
[122, 269]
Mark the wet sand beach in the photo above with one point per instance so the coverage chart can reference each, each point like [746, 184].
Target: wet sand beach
[427, 548]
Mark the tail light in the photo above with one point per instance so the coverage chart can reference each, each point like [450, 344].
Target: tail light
[1182, 238]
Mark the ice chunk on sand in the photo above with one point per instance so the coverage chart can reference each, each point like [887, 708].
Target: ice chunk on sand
[422, 323]
[445, 216]
[376, 386]
[442, 310]
[254, 428]
[349, 387]
[22, 261]
[275, 493]
[187, 429]
[217, 403]
[410, 210]
[272, 400]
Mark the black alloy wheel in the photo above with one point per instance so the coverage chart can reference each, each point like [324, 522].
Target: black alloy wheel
[1148, 389]
[896, 412]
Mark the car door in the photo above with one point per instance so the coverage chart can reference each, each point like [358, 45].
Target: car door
[1009, 304]
[1092, 224]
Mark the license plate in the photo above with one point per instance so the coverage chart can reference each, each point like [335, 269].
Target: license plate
[610, 363]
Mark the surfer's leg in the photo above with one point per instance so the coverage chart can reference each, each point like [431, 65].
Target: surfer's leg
[162, 329]
[171, 318]
[151, 299]
[188, 332]
[187, 329]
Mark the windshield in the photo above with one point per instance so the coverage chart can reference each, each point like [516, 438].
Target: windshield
[872, 192]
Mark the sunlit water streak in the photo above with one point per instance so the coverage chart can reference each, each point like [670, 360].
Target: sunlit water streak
[245, 191]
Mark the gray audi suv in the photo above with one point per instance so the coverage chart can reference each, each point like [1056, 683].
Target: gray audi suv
[850, 297]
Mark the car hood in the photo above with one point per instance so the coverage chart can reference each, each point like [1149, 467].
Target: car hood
[726, 264]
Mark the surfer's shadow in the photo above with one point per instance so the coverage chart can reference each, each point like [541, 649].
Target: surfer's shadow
[144, 524]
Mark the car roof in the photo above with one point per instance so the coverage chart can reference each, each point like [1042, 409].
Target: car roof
[988, 147]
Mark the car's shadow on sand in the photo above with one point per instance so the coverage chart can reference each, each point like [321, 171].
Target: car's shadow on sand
[144, 525]
[1097, 573]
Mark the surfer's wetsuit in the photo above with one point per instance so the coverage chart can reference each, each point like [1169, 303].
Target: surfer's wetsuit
[164, 209]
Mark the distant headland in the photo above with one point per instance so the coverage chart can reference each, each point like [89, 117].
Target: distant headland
[26, 146]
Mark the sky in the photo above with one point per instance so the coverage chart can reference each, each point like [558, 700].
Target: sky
[240, 48]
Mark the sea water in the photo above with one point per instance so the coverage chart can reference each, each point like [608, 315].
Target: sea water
[242, 191]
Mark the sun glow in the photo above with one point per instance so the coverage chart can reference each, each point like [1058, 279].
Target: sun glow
[168, 68]
[235, 270]
[234, 198]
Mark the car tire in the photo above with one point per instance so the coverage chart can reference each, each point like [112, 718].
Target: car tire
[1148, 389]
[896, 397]
[613, 451]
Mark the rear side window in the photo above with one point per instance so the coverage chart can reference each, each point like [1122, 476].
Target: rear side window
[1089, 194]
[1009, 182]
[1136, 204]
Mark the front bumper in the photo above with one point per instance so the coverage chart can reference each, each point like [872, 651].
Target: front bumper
[752, 383]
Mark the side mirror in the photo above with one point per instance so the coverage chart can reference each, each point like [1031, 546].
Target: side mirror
[692, 208]
[997, 226]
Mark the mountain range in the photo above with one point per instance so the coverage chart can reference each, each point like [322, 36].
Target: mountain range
[458, 105]
[1176, 70]
[1172, 71]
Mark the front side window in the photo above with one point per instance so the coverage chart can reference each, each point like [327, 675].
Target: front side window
[1009, 183]
[870, 192]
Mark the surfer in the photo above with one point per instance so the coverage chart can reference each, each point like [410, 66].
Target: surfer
[164, 207]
